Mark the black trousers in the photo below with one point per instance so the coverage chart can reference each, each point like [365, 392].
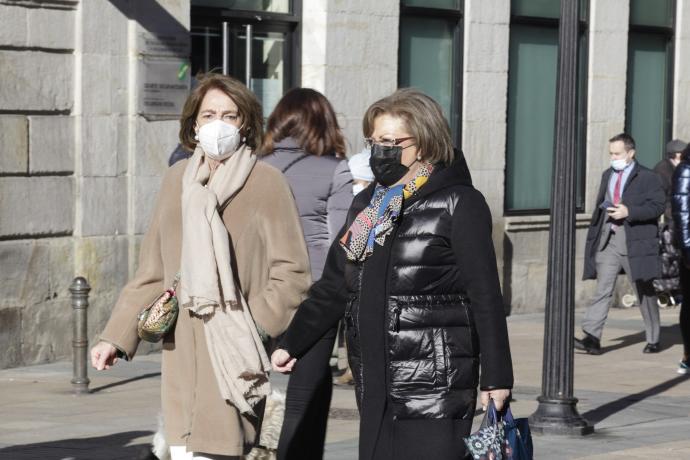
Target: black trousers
[684, 320]
[307, 403]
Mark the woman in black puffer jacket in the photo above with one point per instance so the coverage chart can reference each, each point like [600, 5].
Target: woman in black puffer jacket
[680, 207]
[413, 273]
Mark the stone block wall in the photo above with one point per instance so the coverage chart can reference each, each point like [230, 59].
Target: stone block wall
[37, 185]
[79, 165]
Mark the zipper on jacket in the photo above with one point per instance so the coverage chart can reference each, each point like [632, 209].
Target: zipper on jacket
[396, 324]
[386, 317]
[358, 335]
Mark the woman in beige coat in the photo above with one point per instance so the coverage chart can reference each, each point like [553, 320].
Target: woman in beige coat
[228, 225]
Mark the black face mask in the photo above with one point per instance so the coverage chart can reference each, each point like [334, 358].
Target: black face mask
[385, 164]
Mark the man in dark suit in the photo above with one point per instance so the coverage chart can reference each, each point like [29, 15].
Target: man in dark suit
[623, 234]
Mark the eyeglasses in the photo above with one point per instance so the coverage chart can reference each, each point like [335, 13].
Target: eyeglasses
[386, 142]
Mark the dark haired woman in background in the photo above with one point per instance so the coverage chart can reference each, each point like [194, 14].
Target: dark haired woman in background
[304, 141]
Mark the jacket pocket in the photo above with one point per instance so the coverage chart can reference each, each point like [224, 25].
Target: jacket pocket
[419, 362]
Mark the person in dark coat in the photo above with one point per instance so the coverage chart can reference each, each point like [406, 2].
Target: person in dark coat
[668, 284]
[304, 141]
[665, 168]
[179, 154]
[413, 273]
[623, 234]
[680, 205]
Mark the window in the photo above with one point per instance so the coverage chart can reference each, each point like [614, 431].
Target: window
[431, 38]
[648, 109]
[532, 82]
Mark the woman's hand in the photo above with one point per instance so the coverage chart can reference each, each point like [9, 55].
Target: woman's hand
[103, 355]
[500, 397]
[282, 361]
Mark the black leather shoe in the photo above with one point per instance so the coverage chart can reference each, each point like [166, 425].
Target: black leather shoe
[589, 343]
[652, 348]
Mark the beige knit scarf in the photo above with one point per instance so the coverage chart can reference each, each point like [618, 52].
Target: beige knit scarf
[207, 282]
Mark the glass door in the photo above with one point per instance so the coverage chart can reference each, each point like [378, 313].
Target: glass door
[260, 51]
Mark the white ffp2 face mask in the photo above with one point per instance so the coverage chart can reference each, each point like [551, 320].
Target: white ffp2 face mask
[619, 165]
[219, 140]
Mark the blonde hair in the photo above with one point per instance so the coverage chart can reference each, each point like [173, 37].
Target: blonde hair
[423, 118]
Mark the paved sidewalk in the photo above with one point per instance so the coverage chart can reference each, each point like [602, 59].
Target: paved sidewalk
[639, 405]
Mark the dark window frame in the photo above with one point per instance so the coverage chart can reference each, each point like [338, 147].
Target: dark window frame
[583, 52]
[289, 23]
[456, 17]
[669, 33]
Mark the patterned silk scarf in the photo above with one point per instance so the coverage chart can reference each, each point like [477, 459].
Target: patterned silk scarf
[376, 221]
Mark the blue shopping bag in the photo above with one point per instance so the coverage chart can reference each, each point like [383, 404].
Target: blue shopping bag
[518, 437]
[501, 437]
[489, 442]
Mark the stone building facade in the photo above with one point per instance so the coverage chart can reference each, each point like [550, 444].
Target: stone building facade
[90, 91]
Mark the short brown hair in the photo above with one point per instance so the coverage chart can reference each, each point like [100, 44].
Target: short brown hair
[626, 139]
[248, 107]
[423, 118]
[305, 115]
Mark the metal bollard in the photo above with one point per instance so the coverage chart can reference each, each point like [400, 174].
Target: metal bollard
[80, 302]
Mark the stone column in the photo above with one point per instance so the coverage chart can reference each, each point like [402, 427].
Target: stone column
[681, 85]
[608, 63]
[485, 103]
[350, 53]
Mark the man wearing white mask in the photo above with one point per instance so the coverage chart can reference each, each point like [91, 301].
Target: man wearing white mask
[623, 234]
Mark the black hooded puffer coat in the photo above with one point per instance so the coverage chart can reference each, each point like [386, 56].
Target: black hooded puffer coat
[433, 352]
[680, 205]
[444, 310]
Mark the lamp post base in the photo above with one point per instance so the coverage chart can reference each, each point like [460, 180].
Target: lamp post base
[560, 417]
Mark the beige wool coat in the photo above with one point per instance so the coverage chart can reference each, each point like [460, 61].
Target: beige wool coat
[272, 270]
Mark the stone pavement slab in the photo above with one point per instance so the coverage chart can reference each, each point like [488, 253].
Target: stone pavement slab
[639, 405]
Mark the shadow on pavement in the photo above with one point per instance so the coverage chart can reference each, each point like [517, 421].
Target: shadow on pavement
[595, 416]
[124, 382]
[111, 447]
[669, 335]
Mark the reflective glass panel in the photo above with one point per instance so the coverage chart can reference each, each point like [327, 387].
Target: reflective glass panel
[544, 8]
[206, 49]
[647, 95]
[538, 8]
[447, 4]
[268, 69]
[651, 12]
[271, 6]
[427, 44]
[268, 73]
[531, 116]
